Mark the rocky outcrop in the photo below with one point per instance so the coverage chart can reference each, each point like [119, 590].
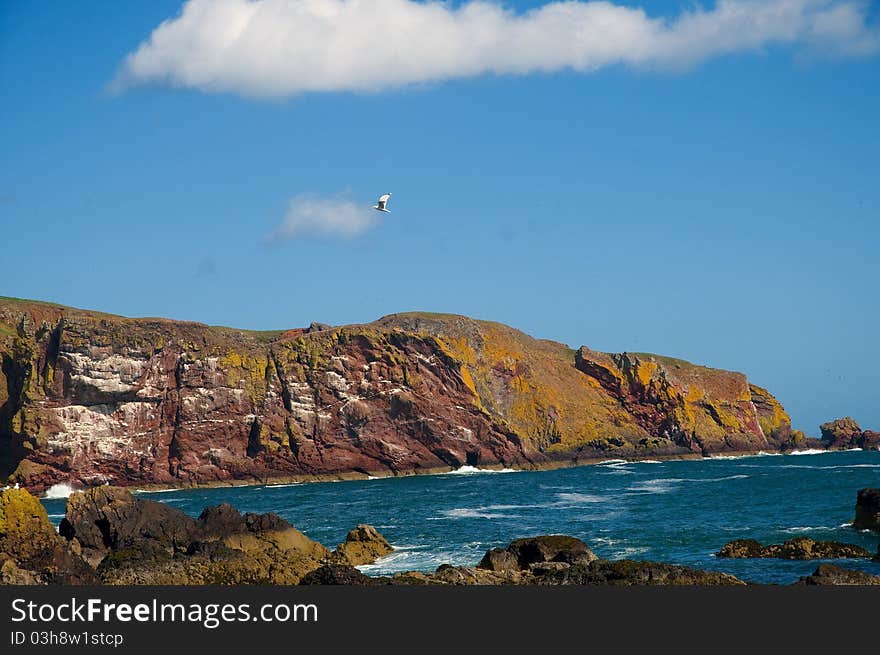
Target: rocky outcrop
[89, 398]
[797, 548]
[828, 574]
[339, 574]
[868, 510]
[131, 540]
[106, 519]
[523, 554]
[845, 433]
[362, 545]
[31, 552]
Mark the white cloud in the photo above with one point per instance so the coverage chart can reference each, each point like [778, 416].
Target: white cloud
[310, 215]
[277, 48]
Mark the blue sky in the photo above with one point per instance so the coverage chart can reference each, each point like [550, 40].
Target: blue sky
[721, 208]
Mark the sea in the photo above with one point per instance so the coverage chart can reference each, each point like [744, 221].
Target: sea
[679, 512]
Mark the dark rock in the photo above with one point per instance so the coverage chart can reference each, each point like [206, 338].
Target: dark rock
[630, 572]
[499, 559]
[109, 518]
[550, 548]
[867, 510]
[338, 574]
[828, 574]
[797, 548]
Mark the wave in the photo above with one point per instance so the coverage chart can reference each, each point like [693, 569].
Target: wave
[740, 476]
[466, 513]
[612, 462]
[404, 547]
[282, 486]
[809, 451]
[808, 528]
[659, 486]
[760, 453]
[473, 470]
[629, 551]
[60, 490]
[155, 491]
[577, 498]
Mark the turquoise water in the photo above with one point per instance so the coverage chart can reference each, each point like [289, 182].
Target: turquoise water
[678, 511]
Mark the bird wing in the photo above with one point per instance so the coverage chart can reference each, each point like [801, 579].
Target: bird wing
[384, 198]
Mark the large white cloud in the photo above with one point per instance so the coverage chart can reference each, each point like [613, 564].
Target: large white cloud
[310, 215]
[277, 48]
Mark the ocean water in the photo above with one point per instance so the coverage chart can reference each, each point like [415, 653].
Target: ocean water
[678, 511]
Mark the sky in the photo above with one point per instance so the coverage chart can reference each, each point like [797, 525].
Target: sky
[700, 180]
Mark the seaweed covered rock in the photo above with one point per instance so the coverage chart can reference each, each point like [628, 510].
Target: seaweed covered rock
[828, 574]
[362, 545]
[797, 548]
[867, 510]
[31, 551]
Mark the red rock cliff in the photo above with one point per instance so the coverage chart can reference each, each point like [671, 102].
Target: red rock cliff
[89, 398]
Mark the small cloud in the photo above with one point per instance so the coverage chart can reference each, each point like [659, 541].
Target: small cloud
[309, 215]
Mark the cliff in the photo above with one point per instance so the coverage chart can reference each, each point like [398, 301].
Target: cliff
[89, 398]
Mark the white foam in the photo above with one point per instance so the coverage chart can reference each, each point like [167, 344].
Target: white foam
[740, 476]
[577, 498]
[282, 486]
[809, 451]
[612, 462]
[473, 470]
[629, 551]
[60, 490]
[469, 513]
[760, 453]
[808, 528]
[155, 491]
[659, 486]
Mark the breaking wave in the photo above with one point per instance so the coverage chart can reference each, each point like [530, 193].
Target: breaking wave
[61, 490]
[473, 470]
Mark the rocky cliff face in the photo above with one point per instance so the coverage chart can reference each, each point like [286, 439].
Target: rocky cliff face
[89, 398]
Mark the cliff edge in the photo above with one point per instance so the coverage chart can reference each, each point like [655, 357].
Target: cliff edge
[88, 398]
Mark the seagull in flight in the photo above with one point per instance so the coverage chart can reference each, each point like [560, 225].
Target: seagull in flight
[383, 200]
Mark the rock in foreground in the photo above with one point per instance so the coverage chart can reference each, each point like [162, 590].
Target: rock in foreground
[828, 574]
[31, 552]
[798, 548]
[362, 545]
[868, 510]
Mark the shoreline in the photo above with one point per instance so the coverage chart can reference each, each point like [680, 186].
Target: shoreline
[345, 476]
